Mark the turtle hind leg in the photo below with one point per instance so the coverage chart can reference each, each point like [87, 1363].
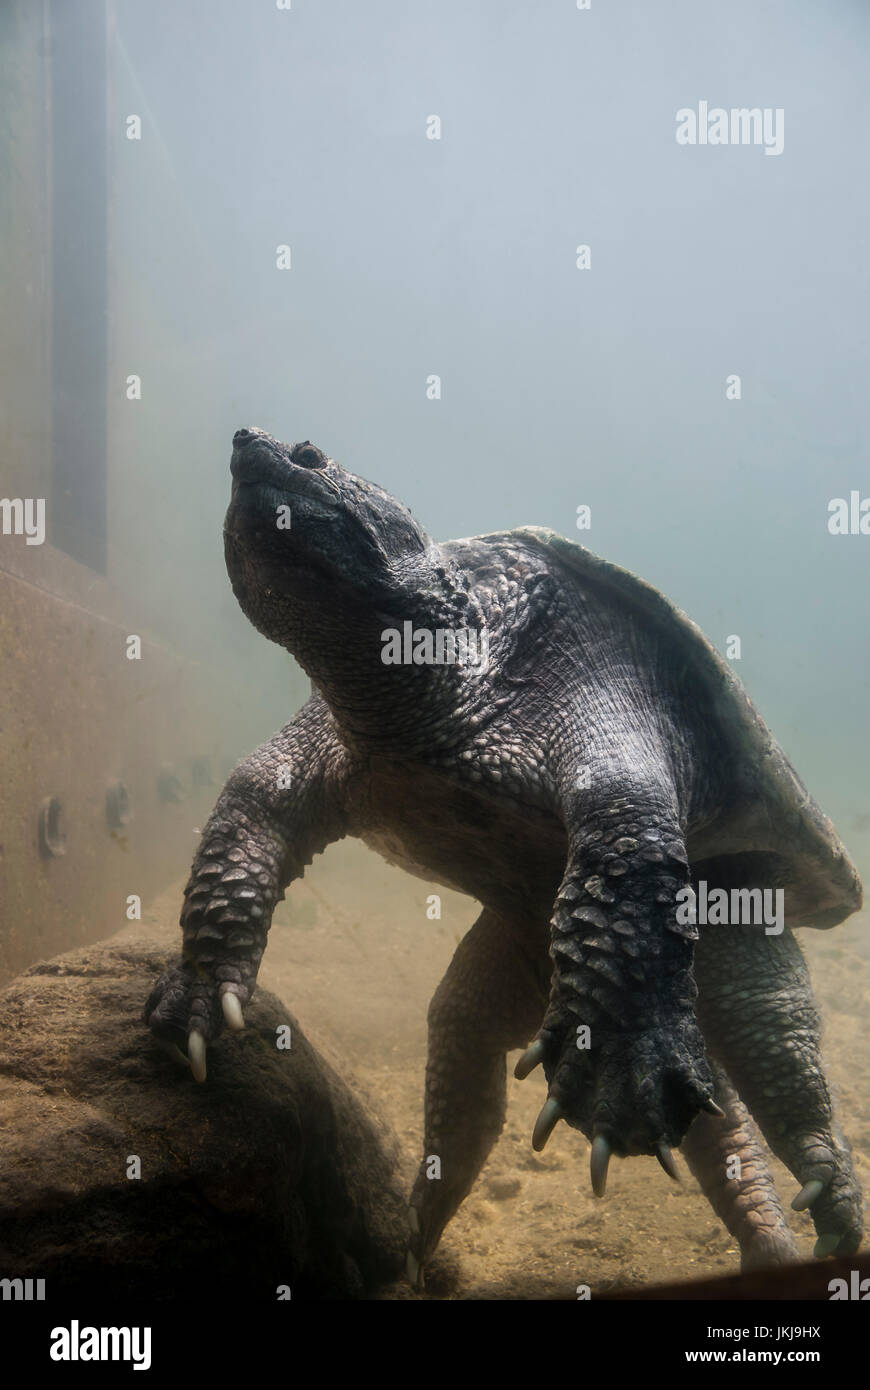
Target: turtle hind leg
[758, 1014]
[726, 1156]
[489, 1002]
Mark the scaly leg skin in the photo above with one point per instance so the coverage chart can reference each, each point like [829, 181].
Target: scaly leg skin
[760, 1019]
[749, 1205]
[620, 1044]
[279, 807]
[489, 1001]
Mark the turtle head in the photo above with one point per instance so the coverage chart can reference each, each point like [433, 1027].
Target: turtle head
[321, 560]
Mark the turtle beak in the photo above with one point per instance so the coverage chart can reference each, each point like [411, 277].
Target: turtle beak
[260, 461]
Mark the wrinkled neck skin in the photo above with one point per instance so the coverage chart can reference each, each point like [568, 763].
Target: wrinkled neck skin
[401, 709]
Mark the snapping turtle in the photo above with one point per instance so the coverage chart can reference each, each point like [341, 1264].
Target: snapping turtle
[518, 719]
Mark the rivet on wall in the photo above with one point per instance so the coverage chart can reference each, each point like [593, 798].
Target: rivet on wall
[52, 841]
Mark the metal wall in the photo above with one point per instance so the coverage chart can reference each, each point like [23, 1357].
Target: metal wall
[110, 764]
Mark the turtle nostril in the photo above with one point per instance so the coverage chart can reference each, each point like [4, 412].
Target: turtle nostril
[242, 437]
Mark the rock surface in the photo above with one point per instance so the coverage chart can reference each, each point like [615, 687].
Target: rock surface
[272, 1174]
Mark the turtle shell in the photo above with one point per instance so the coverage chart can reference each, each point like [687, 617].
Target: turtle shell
[770, 832]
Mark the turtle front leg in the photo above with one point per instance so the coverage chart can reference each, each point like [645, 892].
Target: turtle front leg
[620, 1045]
[759, 1017]
[279, 808]
[727, 1158]
[488, 1003]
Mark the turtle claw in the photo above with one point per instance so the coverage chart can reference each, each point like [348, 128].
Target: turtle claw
[413, 1270]
[531, 1058]
[711, 1108]
[825, 1245]
[598, 1161]
[666, 1159]
[232, 1010]
[809, 1193]
[551, 1114]
[196, 1055]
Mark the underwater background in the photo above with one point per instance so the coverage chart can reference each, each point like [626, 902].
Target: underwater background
[460, 248]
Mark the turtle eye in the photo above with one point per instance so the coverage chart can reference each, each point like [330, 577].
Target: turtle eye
[307, 455]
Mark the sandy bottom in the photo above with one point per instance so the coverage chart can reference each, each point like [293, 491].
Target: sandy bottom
[354, 956]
